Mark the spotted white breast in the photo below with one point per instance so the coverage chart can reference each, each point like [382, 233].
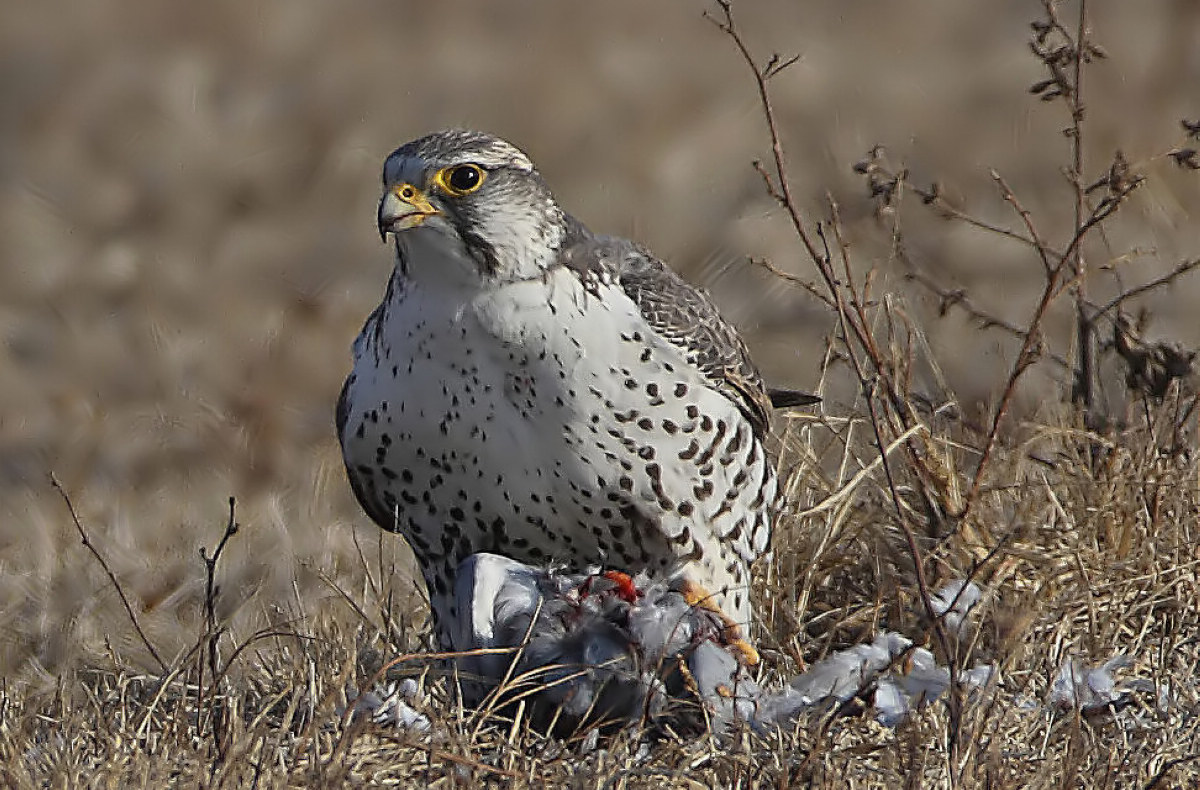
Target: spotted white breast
[547, 420]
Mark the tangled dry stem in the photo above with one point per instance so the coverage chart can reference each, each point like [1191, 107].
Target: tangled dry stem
[1082, 533]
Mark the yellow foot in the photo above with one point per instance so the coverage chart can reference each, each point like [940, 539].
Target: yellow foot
[696, 595]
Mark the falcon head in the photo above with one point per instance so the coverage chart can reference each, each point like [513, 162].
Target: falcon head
[474, 198]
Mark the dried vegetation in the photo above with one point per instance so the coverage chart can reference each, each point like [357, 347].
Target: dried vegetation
[1077, 516]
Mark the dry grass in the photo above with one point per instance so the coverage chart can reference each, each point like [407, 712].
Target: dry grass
[1078, 559]
[1074, 505]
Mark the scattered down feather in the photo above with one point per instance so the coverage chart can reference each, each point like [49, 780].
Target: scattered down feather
[607, 649]
[593, 648]
[1093, 690]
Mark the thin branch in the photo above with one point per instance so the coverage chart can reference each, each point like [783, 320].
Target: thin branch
[958, 297]
[788, 277]
[112, 577]
[1029, 348]
[1025, 358]
[853, 324]
[210, 588]
[784, 194]
[1180, 269]
[1011, 198]
[887, 186]
[1103, 211]
[1085, 389]
[213, 636]
[950, 212]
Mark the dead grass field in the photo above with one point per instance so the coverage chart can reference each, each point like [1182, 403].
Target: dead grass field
[187, 249]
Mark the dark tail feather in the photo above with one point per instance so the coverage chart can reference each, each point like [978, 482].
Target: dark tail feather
[787, 399]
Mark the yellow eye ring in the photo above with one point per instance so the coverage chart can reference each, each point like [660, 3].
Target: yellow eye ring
[460, 180]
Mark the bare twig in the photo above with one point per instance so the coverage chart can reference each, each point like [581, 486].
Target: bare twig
[210, 586]
[876, 169]
[1180, 269]
[788, 277]
[961, 299]
[212, 634]
[853, 322]
[1010, 198]
[112, 577]
[781, 190]
[848, 302]
[1085, 382]
[1031, 347]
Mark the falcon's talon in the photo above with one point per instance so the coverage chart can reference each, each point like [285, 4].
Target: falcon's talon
[731, 632]
[745, 652]
[637, 438]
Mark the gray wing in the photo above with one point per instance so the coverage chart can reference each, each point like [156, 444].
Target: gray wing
[362, 486]
[682, 314]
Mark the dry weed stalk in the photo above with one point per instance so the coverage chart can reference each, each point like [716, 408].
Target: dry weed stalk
[112, 577]
[1095, 551]
[872, 334]
[1065, 54]
[883, 394]
[211, 638]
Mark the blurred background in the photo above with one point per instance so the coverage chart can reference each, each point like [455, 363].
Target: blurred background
[187, 240]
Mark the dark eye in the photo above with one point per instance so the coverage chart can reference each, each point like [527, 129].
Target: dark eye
[462, 179]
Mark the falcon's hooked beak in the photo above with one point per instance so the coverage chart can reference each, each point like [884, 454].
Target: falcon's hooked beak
[403, 207]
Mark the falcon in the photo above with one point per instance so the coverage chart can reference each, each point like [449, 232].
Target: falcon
[534, 390]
